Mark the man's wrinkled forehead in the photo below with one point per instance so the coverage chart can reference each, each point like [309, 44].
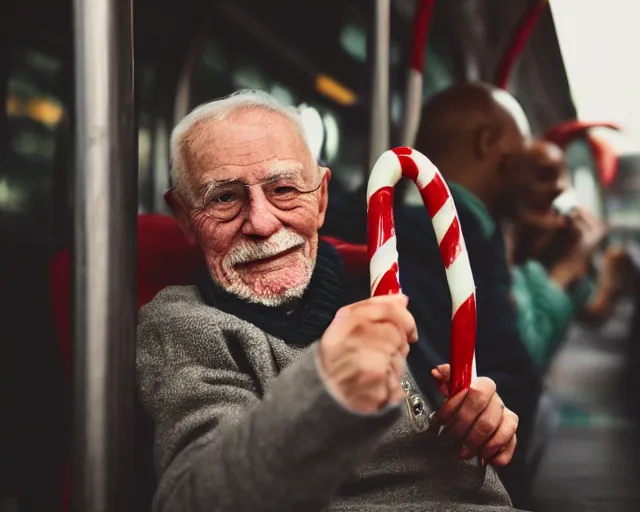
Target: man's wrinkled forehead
[249, 143]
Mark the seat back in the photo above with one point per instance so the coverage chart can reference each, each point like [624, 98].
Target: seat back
[604, 154]
[165, 258]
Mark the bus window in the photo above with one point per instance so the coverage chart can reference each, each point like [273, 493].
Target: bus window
[145, 77]
[283, 94]
[353, 40]
[439, 73]
[584, 176]
[153, 141]
[34, 111]
[622, 200]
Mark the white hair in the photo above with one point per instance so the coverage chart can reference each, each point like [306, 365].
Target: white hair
[218, 110]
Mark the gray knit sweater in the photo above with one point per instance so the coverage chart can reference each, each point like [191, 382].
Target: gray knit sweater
[244, 423]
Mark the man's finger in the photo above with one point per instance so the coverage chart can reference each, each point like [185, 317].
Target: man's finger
[392, 308]
[398, 365]
[504, 457]
[486, 425]
[502, 436]
[449, 409]
[443, 387]
[442, 372]
[384, 335]
[476, 400]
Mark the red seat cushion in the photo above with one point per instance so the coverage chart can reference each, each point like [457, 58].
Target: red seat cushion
[165, 258]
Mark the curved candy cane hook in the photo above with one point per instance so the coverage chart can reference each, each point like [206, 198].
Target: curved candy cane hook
[383, 255]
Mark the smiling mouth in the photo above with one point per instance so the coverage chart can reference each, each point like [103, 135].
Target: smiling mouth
[269, 259]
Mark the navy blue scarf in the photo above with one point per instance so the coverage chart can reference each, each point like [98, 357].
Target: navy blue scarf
[300, 322]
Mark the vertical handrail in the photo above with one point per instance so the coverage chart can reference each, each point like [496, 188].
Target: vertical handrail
[379, 136]
[519, 40]
[415, 75]
[104, 270]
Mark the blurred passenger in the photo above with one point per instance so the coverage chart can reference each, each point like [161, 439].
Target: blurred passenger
[273, 384]
[549, 296]
[551, 254]
[476, 135]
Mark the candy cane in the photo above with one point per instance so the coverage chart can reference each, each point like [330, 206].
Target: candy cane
[383, 255]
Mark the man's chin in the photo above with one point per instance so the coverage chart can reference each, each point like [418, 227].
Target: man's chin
[279, 290]
[274, 288]
[274, 301]
[268, 296]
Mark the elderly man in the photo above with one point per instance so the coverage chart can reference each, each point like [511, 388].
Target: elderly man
[271, 386]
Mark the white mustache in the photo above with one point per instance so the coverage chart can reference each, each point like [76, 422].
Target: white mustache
[280, 242]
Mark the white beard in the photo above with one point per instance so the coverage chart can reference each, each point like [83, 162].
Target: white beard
[246, 252]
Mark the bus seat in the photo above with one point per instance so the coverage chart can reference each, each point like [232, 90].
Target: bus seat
[355, 257]
[604, 154]
[165, 258]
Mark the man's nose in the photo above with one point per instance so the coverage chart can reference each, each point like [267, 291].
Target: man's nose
[260, 220]
[558, 187]
[562, 183]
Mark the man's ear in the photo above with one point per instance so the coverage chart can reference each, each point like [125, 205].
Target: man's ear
[323, 196]
[180, 211]
[485, 141]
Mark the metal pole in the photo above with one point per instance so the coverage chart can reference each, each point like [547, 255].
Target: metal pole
[379, 141]
[104, 258]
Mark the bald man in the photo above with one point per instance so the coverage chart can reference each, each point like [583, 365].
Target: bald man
[477, 136]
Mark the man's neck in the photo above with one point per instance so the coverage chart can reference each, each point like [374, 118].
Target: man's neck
[465, 177]
[481, 192]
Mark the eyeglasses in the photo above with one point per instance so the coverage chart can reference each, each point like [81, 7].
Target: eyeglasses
[225, 200]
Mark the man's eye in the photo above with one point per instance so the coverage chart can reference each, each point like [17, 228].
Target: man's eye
[284, 190]
[224, 198]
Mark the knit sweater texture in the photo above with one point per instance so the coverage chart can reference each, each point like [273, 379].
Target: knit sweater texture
[245, 423]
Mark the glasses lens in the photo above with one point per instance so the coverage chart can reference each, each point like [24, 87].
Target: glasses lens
[284, 191]
[225, 201]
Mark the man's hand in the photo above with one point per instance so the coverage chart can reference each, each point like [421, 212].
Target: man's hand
[363, 352]
[591, 233]
[478, 419]
[587, 232]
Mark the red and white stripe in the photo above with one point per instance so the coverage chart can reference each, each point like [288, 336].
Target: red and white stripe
[413, 94]
[383, 255]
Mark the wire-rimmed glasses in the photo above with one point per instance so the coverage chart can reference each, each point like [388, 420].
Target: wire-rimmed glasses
[224, 200]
